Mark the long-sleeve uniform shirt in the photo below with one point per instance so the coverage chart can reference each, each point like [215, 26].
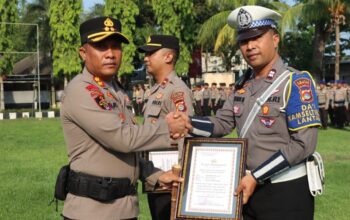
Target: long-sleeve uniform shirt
[102, 140]
[284, 131]
[171, 95]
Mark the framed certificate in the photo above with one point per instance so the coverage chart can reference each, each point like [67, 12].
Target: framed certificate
[212, 168]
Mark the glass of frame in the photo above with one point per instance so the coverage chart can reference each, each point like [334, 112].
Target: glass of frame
[211, 168]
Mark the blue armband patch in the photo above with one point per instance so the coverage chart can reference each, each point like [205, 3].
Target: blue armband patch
[302, 108]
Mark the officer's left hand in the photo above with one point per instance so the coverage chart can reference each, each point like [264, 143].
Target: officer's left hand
[247, 186]
[167, 179]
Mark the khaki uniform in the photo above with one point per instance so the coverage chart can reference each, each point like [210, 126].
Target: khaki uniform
[102, 139]
[340, 103]
[222, 97]
[323, 102]
[171, 95]
[330, 94]
[214, 99]
[205, 102]
[197, 96]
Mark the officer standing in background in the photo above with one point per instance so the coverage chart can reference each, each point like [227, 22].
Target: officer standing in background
[282, 134]
[222, 94]
[169, 94]
[331, 90]
[340, 105]
[323, 103]
[206, 100]
[214, 97]
[101, 135]
[197, 96]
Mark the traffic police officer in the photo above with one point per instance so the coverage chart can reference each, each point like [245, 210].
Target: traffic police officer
[283, 133]
[100, 132]
[169, 94]
[323, 102]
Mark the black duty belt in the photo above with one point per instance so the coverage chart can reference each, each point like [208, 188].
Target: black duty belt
[339, 102]
[104, 189]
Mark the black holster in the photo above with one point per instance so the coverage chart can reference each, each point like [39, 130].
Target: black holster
[61, 187]
[103, 189]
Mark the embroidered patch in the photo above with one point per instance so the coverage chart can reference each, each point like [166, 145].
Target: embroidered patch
[236, 109]
[304, 86]
[265, 109]
[159, 95]
[275, 99]
[267, 122]
[302, 108]
[99, 98]
[241, 91]
[181, 107]
[110, 94]
[271, 74]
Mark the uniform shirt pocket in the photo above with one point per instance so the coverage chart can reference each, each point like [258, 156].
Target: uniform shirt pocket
[154, 111]
[268, 117]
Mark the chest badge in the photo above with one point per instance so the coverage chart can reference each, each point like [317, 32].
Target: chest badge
[159, 95]
[122, 117]
[267, 122]
[241, 91]
[265, 109]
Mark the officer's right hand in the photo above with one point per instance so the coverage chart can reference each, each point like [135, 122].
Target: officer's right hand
[177, 125]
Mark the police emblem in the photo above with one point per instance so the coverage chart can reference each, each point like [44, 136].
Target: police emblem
[159, 95]
[241, 91]
[304, 86]
[244, 19]
[108, 25]
[265, 109]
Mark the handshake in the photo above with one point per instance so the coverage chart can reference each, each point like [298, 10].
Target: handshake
[179, 124]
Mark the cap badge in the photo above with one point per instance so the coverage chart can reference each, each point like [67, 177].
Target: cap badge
[108, 25]
[244, 19]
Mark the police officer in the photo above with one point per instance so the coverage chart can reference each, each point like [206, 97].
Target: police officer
[206, 100]
[222, 94]
[340, 105]
[214, 97]
[323, 102]
[197, 96]
[100, 132]
[169, 94]
[282, 134]
[331, 89]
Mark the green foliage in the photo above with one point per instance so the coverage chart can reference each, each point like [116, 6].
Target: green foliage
[8, 13]
[125, 11]
[64, 23]
[176, 18]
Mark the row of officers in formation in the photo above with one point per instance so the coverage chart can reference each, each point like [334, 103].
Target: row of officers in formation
[333, 100]
[206, 100]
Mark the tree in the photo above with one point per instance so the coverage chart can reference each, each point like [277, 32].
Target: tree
[337, 11]
[8, 13]
[176, 18]
[65, 37]
[126, 11]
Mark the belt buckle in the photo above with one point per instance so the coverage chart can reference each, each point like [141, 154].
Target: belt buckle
[106, 181]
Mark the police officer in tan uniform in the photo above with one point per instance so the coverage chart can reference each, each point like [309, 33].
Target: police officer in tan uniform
[282, 134]
[197, 96]
[340, 105]
[214, 97]
[101, 135]
[323, 102]
[169, 94]
[206, 100]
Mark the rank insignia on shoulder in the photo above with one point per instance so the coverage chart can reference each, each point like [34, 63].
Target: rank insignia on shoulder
[267, 122]
[163, 84]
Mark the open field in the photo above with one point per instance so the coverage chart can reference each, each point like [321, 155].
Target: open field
[32, 151]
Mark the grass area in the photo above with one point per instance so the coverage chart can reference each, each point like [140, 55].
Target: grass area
[32, 151]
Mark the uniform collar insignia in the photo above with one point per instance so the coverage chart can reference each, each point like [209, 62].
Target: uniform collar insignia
[271, 74]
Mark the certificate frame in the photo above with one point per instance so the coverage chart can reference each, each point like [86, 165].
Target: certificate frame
[197, 196]
[148, 157]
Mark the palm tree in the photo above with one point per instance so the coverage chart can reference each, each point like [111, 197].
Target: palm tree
[337, 11]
